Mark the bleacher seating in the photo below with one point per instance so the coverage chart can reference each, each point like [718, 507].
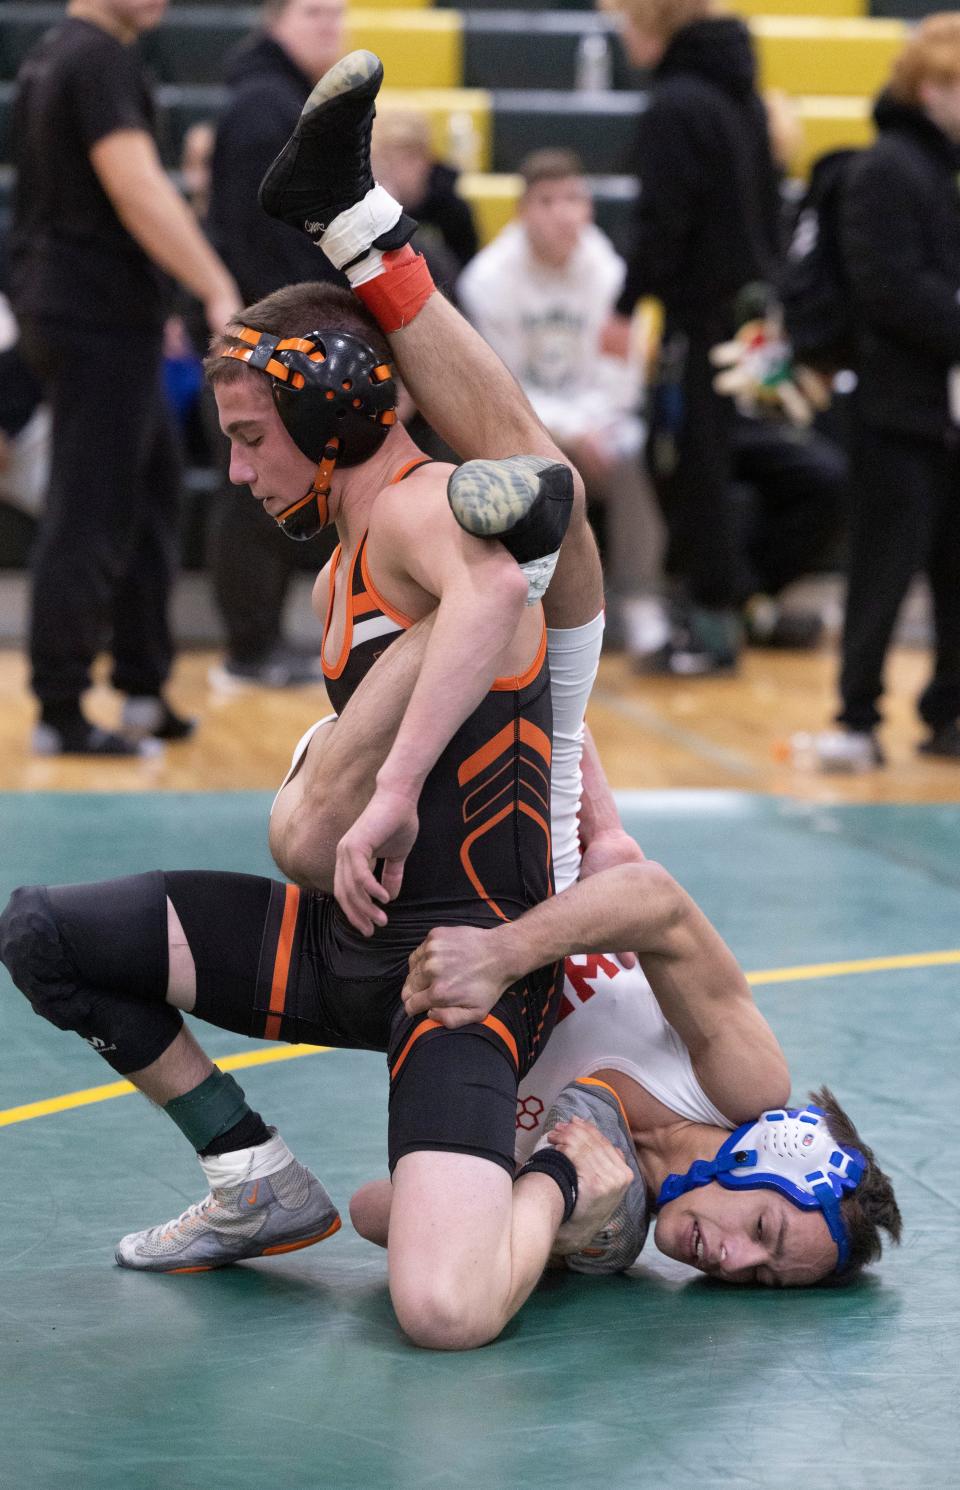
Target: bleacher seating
[512, 72]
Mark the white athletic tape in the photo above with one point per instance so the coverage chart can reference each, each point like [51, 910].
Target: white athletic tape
[226, 1170]
[352, 232]
[539, 573]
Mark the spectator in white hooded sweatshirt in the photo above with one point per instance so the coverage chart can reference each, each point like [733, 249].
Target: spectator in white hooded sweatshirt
[541, 293]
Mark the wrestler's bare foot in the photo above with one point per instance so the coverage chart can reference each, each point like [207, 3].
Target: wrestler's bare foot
[603, 1178]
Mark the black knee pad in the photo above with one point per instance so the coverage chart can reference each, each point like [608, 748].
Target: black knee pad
[37, 960]
[93, 959]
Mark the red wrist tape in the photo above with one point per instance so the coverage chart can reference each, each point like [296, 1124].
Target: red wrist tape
[403, 289]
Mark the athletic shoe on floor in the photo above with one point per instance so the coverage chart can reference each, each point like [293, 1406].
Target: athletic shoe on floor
[83, 738]
[525, 501]
[767, 624]
[149, 714]
[324, 168]
[284, 666]
[944, 740]
[836, 750]
[281, 1213]
[618, 1244]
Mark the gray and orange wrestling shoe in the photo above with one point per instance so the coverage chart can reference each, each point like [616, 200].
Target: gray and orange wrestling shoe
[282, 1212]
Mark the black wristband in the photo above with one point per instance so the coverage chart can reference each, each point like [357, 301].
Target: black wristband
[559, 1168]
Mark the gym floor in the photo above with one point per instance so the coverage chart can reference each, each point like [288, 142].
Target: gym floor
[290, 1373]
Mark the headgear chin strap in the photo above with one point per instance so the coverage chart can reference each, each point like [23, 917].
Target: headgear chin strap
[311, 512]
[337, 401]
[791, 1151]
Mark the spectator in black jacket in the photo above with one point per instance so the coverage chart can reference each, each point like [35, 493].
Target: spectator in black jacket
[900, 225]
[706, 228]
[270, 77]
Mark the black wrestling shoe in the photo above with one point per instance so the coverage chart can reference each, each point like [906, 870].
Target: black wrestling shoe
[324, 168]
[525, 501]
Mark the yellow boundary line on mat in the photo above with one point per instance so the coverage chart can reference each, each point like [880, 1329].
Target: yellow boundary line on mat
[807, 973]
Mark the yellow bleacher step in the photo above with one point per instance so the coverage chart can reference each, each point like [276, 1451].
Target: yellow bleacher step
[420, 48]
[812, 55]
[832, 124]
[837, 9]
[441, 105]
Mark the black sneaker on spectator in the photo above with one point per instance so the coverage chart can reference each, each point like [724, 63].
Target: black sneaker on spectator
[150, 715]
[284, 666]
[943, 741]
[702, 644]
[77, 736]
[767, 624]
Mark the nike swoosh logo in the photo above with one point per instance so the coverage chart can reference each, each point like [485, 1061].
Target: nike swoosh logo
[252, 1197]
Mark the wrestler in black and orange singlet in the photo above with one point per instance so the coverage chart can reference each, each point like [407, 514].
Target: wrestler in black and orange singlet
[279, 962]
[482, 856]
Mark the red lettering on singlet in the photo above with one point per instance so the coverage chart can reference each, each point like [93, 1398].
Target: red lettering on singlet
[581, 974]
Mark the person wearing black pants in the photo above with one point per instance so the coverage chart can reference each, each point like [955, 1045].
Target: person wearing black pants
[707, 228]
[103, 565]
[96, 225]
[905, 518]
[269, 76]
[900, 228]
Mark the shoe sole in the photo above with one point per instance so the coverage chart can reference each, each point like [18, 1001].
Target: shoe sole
[274, 1251]
[489, 497]
[517, 496]
[354, 71]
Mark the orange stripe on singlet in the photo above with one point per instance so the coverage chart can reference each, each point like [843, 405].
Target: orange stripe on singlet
[421, 1029]
[595, 1081]
[368, 600]
[496, 1026]
[281, 966]
[499, 1028]
[523, 680]
[530, 734]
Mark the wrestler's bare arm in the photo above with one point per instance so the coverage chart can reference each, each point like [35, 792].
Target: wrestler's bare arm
[482, 628]
[337, 775]
[457, 972]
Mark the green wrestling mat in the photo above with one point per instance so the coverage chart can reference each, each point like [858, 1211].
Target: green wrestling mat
[290, 1373]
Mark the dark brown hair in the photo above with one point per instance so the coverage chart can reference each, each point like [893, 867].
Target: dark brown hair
[872, 1206]
[296, 310]
[549, 165]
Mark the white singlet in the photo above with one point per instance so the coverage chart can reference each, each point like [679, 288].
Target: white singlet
[610, 1020]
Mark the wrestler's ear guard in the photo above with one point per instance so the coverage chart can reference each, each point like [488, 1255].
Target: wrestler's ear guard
[337, 400]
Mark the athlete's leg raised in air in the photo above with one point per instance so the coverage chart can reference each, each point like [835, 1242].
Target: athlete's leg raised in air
[321, 183]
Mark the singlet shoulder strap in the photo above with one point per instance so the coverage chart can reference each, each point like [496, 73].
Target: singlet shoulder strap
[409, 467]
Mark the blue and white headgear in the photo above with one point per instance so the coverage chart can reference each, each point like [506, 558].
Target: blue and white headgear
[791, 1151]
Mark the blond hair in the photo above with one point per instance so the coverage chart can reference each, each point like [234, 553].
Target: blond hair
[932, 55]
[660, 18]
[399, 128]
